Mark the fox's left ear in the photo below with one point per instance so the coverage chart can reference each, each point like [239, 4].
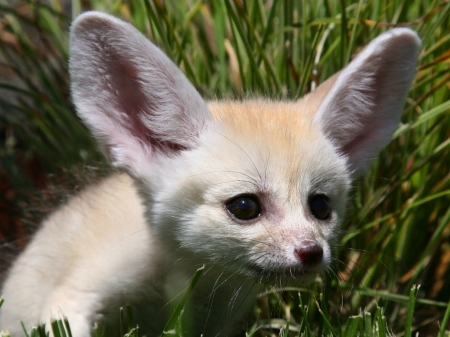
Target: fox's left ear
[362, 108]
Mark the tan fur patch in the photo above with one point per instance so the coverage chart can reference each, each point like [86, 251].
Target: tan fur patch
[284, 132]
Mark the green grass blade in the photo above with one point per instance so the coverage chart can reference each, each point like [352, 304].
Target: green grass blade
[440, 110]
[444, 322]
[368, 329]
[411, 305]
[249, 54]
[353, 326]
[170, 328]
[381, 323]
[25, 330]
[325, 318]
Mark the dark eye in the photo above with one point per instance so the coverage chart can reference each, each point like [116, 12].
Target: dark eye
[244, 207]
[320, 207]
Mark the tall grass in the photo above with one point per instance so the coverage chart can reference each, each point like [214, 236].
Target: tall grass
[397, 233]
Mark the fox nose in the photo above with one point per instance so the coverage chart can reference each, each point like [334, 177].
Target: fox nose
[309, 253]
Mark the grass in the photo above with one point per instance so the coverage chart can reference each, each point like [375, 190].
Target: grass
[397, 233]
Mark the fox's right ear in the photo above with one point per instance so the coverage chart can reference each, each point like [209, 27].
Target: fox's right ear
[134, 100]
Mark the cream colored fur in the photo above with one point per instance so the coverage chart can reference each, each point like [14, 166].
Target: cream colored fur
[138, 237]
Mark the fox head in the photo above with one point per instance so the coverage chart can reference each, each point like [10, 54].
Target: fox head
[257, 186]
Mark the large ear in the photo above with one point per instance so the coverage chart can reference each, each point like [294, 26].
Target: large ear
[363, 103]
[134, 100]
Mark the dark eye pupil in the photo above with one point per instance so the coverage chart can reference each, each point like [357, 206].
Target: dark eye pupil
[320, 207]
[244, 208]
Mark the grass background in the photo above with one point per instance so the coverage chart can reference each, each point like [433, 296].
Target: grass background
[397, 233]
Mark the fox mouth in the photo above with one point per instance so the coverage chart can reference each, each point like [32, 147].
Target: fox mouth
[290, 274]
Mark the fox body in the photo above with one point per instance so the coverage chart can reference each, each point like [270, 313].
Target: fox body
[254, 190]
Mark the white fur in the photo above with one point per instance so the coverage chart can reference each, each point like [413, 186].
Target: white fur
[138, 240]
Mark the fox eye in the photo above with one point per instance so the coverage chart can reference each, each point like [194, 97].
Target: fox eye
[244, 207]
[320, 207]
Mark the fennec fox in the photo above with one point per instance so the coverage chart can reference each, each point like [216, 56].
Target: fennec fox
[253, 189]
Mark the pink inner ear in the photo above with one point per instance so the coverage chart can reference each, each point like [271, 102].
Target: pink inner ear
[124, 86]
[357, 149]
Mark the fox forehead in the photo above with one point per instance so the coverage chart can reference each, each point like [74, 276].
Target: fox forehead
[281, 122]
[276, 143]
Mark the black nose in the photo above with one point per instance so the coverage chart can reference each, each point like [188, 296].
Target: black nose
[309, 253]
